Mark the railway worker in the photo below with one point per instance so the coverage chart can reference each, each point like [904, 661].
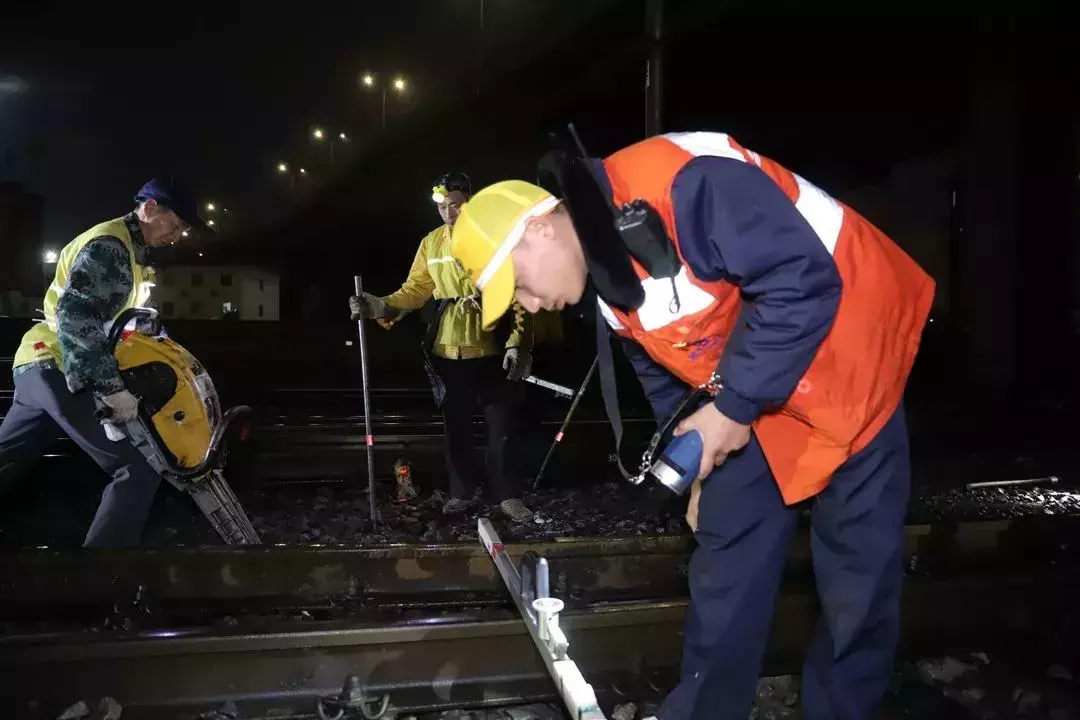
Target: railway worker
[805, 319]
[63, 366]
[467, 365]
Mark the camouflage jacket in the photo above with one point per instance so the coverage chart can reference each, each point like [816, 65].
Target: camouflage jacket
[98, 285]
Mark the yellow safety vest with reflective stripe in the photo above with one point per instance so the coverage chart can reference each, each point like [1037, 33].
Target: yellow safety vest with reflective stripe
[435, 273]
[40, 342]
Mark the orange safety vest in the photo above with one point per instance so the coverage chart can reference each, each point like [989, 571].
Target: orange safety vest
[855, 382]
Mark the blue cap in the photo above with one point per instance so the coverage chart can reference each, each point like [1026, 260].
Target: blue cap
[174, 196]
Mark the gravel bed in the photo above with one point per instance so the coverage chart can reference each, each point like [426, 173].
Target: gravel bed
[329, 514]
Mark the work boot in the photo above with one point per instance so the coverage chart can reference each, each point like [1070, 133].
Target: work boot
[456, 506]
[516, 510]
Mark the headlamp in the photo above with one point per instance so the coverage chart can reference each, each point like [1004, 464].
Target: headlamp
[439, 194]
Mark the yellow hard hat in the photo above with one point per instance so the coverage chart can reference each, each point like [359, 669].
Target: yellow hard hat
[490, 225]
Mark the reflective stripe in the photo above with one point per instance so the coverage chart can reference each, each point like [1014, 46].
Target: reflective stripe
[822, 212]
[660, 309]
[609, 315]
[143, 293]
[441, 260]
[706, 143]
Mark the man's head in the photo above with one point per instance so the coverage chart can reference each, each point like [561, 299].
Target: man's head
[517, 240]
[450, 192]
[165, 211]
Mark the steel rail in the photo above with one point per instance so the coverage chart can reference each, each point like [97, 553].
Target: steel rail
[440, 662]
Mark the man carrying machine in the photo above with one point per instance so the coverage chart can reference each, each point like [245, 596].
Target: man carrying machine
[74, 370]
[726, 275]
[467, 364]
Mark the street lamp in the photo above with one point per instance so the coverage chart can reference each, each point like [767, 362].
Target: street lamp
[210, 207]
[400, 85]
[283, 169]
[319, 135]
[51, 257]
[303, 171]
[210, 223]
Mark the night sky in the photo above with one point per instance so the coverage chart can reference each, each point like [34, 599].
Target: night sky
[93, 101]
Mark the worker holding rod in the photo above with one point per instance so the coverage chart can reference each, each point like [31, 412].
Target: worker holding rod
[466, 364]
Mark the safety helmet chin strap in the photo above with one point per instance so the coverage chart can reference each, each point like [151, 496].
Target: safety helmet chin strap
[517, 232]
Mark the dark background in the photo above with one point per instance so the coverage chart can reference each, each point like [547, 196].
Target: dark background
[93, 100]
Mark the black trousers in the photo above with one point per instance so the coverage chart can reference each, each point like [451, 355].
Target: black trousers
[42, 405]
[470, 383]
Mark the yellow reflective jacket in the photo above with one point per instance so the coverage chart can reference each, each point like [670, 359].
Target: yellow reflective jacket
[40, 341]
[436, 274]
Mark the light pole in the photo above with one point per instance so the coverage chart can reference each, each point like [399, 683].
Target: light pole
[216, 216]
[318, 134]
[369, 81]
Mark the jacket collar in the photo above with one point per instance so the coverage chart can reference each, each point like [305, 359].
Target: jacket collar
[138, 242]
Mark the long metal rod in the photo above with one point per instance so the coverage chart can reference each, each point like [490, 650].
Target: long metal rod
[566, 423]
[542, 622]
[560, 390]
[1050, 480]
[369, 438]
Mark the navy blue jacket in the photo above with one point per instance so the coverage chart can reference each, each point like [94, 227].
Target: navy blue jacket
[735, 224]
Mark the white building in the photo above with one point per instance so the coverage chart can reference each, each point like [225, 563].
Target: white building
[209, 292]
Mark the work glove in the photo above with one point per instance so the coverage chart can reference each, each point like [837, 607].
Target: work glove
[366, 307]
[124, 407]
[517, 362]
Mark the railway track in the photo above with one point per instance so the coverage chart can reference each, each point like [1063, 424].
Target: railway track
[171, 634]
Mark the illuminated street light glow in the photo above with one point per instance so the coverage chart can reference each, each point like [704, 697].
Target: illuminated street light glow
[400, 85]
[185, 233]
[51, 257]
[210, 207]
[342, 137]
[210, 223]
[368, 80]
[318, 134]
[282, 168]
[303, 171]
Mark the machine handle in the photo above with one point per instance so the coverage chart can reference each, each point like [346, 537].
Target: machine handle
[136, 313]
[214, 450]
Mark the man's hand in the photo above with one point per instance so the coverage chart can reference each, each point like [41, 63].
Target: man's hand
[124, 407]
[517, 362]
[692, 508]
[720, 436]
[366, 307]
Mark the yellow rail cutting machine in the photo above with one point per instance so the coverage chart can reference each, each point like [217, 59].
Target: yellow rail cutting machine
[181, 426]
